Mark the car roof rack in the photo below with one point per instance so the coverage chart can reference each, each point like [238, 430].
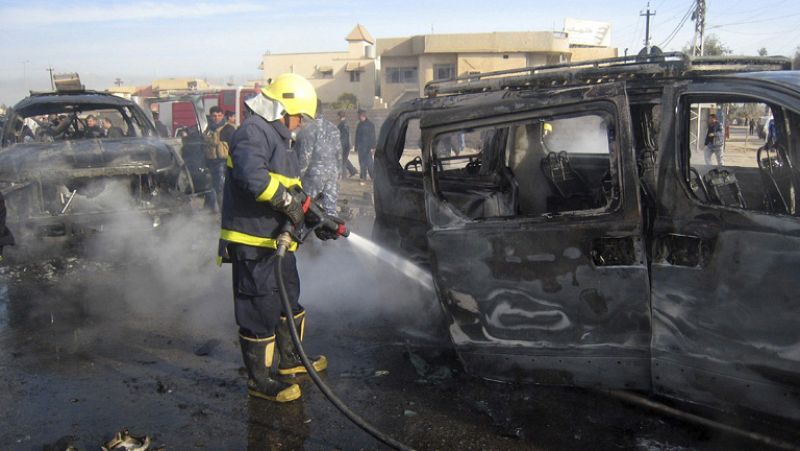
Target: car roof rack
[67, 92]
[660, 65]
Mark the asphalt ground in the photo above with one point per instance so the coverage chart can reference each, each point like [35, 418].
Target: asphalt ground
[140, 334]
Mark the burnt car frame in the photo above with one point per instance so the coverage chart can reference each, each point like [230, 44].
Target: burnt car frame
[61, 179]
[621, 262]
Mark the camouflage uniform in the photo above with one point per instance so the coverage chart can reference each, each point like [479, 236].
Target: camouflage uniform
[319, 151]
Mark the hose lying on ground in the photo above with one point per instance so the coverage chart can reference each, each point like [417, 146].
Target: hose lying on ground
[352, 416]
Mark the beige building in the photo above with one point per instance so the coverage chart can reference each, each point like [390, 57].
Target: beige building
[408, 63]
[332, 73]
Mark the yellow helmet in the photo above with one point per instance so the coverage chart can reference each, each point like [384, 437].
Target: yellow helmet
[295, 93]
[548, 128]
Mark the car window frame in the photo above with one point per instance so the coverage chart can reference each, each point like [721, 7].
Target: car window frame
[681, 162]
[598, 106]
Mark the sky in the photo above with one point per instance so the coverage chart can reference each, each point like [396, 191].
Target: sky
[223, 41]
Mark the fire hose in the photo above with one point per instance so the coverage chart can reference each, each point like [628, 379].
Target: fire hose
[320, 220]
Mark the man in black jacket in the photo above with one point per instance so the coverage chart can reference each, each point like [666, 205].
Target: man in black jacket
[365, 145]
[261, 169]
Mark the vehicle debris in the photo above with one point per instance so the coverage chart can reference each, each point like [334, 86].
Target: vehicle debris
[62, 176]
[579, 232]
[124, 441]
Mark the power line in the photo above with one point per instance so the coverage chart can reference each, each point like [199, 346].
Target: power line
[680, 25]
[748, 22]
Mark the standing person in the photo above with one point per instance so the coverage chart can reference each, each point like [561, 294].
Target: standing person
[109, 130]
[344, 135]
[161, 129]
[365, 145]
[319, 153]
[230, 120]
[217, 137]
[261, 170]
[714, 140]
[752, 125]
[93, 129]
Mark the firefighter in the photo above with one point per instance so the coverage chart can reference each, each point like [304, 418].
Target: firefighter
[260, 169]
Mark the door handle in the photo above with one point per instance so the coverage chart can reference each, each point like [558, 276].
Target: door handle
[613, 251]
[682, 250]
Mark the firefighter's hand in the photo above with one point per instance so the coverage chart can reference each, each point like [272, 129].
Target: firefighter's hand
[326, 233]
[284, 202]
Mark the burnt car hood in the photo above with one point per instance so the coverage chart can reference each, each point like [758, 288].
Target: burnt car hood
[85, 158]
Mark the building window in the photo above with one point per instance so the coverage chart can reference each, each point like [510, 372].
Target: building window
[401, 75]
[444, 71]
[355, 76]
[325, 71]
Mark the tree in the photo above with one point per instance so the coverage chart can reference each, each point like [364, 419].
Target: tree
[346, 101]
[712, 46]
[796, 59]
[762, 51]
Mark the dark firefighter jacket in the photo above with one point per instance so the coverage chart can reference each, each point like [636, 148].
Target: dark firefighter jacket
[260, 160]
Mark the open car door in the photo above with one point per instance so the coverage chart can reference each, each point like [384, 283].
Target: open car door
[724, 272]
[536, 236]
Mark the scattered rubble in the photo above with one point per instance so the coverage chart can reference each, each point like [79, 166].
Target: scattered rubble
[123, 440]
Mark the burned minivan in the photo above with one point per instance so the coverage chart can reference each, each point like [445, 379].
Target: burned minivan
[74, 162]
[610, 224]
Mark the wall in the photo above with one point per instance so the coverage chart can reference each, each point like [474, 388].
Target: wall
[392, 91]
[487, 62]
[592, 53]
[328, 88]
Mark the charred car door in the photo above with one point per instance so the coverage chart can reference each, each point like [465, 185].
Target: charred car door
[545, 279]
[727, 250]
[399, 196]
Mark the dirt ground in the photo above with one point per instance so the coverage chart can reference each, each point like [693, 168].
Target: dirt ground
[139, 333]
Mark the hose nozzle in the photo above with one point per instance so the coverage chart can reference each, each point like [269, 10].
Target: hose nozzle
[284, 240]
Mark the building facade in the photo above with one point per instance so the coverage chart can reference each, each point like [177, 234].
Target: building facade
[332, 73]
[408, 63]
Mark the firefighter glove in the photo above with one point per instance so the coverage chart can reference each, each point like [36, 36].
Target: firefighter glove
[327, 233]
[284, 202]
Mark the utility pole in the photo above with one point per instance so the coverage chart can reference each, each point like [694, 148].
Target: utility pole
[118, 81]
[699, 17]
[52, 82]
[647, 28]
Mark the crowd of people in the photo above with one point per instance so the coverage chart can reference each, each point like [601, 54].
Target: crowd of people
[323, 151]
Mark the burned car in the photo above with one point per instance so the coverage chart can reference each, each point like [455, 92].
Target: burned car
[589, 225]
[77, 161]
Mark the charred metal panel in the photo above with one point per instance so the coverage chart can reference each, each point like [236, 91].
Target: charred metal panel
[726, 330]
[724, 286]
[528, 303]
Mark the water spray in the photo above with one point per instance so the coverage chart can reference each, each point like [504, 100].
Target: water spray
[403, 265]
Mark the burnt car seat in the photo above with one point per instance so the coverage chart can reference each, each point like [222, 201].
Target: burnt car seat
[723, 188]
[573, 191]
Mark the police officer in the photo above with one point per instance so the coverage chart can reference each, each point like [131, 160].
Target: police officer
[257, 204]
[344, 135]
[319, 152]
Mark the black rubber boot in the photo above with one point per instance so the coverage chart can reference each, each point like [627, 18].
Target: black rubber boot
[258, 354]
[289, 362]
